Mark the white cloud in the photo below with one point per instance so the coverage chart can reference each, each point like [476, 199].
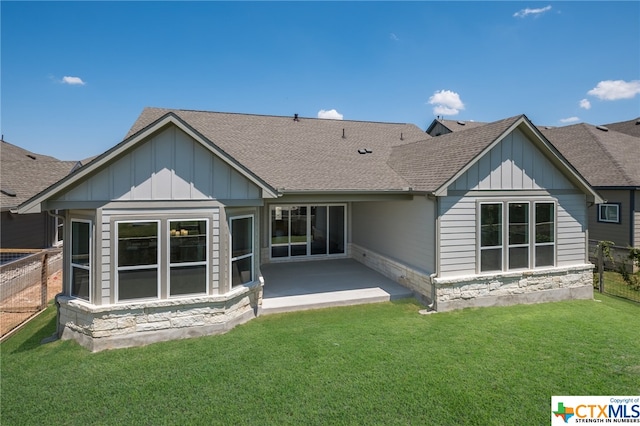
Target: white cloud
[446, 103]
[393, 37]
[585, 104]
[536, 12]
[74, 81]
[569, 120]
[611, 90]
[330, 114]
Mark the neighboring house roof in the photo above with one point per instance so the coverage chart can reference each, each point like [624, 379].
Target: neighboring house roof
[24, 174]
[631, 127]
[606, 158]
[309, 154]
[454, 125]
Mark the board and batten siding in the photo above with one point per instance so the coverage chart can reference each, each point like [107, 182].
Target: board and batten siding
[168, 166]
[517, 171]
[401, 230]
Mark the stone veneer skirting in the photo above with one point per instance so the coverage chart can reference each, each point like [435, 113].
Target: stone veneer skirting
[417, 281]
[508, 288]
[140, 323]
[511, 288]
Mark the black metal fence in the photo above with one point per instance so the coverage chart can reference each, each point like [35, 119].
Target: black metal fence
[615, 273]
[28, 280]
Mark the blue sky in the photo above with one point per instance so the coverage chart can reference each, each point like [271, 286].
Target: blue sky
[75, 75]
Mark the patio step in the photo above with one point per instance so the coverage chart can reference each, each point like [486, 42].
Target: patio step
[329, 299]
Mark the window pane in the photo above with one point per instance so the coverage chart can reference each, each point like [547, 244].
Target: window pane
[545, 255]
[241, 271]
[518, 223]
[545, 222]
[137, 243]
[242, 236]
[80, 283]
[188, 280]
[336, 229]
[491, 260]
[490, 225]
[280, 225]
[188, 241]
[319, 230]
[518, 257]
[137, 284]
[609, 212]
[80, 243]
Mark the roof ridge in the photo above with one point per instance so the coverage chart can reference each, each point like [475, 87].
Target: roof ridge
[277, 116]
[590, 129]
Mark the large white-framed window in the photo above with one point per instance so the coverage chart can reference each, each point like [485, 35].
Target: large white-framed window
[516, 235]
[307, 230]
[188, 257]
[545, 234]
[81, 255]
[491, 219]
[242, 249]
[609, 212]
[137, 259]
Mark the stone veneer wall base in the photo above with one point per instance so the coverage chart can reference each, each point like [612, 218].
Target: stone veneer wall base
[98, 328]
[511, 288]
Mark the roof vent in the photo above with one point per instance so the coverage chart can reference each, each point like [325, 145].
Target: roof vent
[33, 157]
[637, 121]
[604, 129]
[343, 135]
[401, 138]
[8, 192]
[462, 123]
[295, 117]
[364, 151]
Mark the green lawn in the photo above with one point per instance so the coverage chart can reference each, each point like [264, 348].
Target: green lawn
[368, 364]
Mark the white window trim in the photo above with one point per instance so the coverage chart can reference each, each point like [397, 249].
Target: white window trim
[75, 265]
[607, 205]
[308, 256]
[118, 268]
[170, 265]
[506, 237]
[244, 256]
[553, 243]
[505, 234]
[479, 238]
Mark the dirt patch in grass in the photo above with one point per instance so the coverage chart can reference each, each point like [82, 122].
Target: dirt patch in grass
[17, 309]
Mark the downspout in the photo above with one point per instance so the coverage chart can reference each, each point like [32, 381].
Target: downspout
[436, 251]
[632, 206]
[58, 332]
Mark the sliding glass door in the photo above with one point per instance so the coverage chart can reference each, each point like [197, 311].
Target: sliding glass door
[307, 230]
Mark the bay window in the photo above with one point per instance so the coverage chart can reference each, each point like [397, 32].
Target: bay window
[81, 259]
[241, 250]
[137, 260]
[187, 257]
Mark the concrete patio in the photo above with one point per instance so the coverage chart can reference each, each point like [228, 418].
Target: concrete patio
[297, 286]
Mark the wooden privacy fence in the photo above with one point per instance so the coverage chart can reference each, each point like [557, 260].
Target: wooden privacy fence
[28, 280]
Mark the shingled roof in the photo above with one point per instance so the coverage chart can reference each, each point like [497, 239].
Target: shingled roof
[455, 125]
[427, 166]
[24, 174]
[630, 127]
[303, 154]
[606, 158]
